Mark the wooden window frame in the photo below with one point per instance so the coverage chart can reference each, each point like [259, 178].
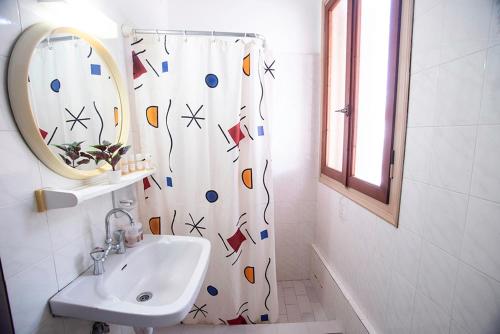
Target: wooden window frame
[384, 200]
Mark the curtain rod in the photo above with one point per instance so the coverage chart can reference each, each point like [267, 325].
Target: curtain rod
[127, 31]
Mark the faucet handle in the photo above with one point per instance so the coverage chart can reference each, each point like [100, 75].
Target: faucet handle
[98, 255]
[120, 241]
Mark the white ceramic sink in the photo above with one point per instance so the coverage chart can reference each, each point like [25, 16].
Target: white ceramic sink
[171, 268]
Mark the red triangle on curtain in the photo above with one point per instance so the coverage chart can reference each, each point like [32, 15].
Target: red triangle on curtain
[138, 67]
[43, 133]
[146, 183]
[237, 321]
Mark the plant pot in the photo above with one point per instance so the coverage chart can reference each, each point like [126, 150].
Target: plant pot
[114, 176]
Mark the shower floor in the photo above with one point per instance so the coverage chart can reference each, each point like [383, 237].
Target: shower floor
[300, 313]
[298, 302]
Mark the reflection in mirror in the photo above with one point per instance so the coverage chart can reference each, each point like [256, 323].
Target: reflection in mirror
[74, 97]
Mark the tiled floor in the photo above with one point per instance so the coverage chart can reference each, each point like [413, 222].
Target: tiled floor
[317, 327]
[298, 302]
[300, 313]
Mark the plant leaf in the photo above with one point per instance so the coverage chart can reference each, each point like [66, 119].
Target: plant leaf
[99, 155]
[114, 160]
[100, 147]
[113, 148]
[86, 155]
[66, 160]
[105, 142]
[124, 150]
[82, 162]
[73, 155]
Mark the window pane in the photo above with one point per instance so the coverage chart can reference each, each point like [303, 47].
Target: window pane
[336, 84]
[375, 18]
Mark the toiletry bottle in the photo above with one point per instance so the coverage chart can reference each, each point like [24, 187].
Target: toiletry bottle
[133, 234]
[147, 161]
[124, 166]
[139, 164]
[131, 163]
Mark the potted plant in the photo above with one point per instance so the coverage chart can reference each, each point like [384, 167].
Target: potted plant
[73, 155]
[110, 153]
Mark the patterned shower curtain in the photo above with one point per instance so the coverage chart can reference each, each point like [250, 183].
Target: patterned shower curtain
[202, 105]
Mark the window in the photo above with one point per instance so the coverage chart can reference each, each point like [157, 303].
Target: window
[366, 46]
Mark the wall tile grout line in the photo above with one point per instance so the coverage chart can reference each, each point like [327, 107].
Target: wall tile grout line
[454, 59]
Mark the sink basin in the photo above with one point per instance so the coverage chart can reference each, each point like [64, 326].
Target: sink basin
[152, 285]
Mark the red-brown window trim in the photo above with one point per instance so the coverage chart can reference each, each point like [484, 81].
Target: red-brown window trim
[380, 193]
[340, 176]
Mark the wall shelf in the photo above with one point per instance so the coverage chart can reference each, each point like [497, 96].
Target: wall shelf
[52, 198]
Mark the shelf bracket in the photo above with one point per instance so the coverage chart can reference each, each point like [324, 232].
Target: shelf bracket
[41, 205]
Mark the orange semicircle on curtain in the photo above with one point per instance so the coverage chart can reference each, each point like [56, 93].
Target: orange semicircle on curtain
[115, 109]
[152, 115]
[246, 177]
[155, 225]
[246, 65]
[250, 274]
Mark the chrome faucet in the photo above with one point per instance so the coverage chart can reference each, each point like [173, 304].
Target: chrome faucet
[117, 245]
[109, 240]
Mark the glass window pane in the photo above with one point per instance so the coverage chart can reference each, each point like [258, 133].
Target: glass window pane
[375, 18]
[336, 84]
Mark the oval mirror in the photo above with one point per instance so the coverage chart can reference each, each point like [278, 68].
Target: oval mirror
[67, 95]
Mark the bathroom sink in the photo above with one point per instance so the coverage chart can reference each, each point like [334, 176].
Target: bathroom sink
[151, 285]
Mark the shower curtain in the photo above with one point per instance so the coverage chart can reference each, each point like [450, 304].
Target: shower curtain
[202, 106]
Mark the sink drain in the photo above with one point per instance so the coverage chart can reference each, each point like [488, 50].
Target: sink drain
[144, 297]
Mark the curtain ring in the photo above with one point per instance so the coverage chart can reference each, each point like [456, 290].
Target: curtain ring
[213, 36]
[157, 35]
[48, 43]
[185, 36]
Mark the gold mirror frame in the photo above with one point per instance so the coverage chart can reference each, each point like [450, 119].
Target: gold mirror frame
[19, 63]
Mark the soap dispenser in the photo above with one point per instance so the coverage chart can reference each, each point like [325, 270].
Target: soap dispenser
[133, 234]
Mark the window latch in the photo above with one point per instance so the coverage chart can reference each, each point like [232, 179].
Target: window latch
[344, 110]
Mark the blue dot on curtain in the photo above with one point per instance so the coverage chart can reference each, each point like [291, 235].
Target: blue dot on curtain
[211, 196]
[55, 85]
[212, 291]
[211, 80]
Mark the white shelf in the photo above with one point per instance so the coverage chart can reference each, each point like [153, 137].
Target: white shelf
[51, 198]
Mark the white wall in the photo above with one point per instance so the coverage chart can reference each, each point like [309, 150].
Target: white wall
[41, 252]
[439, 272]
[291, 30]
[290, 26]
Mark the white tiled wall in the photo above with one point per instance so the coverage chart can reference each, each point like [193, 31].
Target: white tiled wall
[295, 163]
[40, 252]
[330, 296]
[439, 272]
